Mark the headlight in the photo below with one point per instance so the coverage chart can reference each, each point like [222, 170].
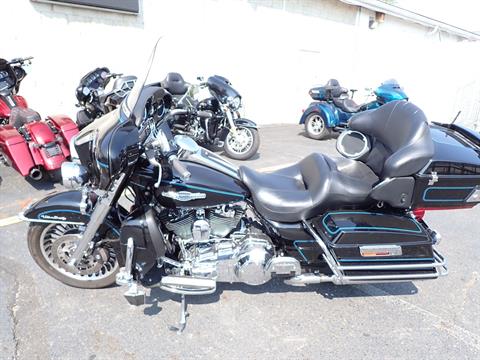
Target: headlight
[235, 102]
[73, 175]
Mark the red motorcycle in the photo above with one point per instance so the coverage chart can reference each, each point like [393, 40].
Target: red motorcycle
[30, 145]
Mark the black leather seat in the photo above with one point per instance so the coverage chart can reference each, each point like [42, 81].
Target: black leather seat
[401, 146]
[174, 84]
[347, 105]
[401, 140]
[21, 116]
[314, 184]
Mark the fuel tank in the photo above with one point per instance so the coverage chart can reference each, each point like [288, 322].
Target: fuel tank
[206, 187]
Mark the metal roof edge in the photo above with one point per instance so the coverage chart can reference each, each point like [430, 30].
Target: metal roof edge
[380, 6]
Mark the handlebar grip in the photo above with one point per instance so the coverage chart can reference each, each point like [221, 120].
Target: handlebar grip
[180, 168]
[178, 112]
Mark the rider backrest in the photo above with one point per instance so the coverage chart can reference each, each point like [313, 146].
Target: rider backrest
[400, 135]
[334, 90]
[175, 84]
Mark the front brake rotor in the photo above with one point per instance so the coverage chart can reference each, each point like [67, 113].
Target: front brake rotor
[64, 247]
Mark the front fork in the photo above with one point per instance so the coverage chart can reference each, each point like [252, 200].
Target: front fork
[97, 217]
[228, 113]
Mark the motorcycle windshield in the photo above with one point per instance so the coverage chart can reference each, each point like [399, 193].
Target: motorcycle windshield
[221, 88]
[131, 101]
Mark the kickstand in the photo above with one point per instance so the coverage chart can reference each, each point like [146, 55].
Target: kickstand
[183, 317]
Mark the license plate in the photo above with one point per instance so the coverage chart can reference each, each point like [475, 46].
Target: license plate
[53, 150]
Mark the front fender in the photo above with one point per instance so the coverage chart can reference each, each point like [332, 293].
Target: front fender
[245, 123]
[63, 207]
[326, 112]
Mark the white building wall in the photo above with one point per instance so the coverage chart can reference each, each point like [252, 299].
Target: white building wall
[273, 51]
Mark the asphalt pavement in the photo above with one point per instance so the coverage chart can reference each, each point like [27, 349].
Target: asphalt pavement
[40, 318]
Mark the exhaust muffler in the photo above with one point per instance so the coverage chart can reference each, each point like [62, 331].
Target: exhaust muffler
[35, 174]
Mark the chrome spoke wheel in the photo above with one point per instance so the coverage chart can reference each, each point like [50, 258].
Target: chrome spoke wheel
[59, 241]
[240, 143]
[316, 124]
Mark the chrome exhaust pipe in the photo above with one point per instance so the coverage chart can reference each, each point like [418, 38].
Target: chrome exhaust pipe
[35, 174]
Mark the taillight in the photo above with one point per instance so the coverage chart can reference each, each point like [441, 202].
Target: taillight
[419, 214]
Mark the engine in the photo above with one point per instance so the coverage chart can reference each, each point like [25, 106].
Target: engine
[246, 255]
[220, 222]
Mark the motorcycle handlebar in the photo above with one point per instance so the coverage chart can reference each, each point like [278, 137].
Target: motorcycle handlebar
[179, 167]
[20, 60]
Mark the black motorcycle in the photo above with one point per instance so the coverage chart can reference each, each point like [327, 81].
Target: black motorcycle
[194, 219]
[214, 121]
[93, 97]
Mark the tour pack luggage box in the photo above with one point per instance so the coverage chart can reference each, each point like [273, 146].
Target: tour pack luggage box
[452, 178]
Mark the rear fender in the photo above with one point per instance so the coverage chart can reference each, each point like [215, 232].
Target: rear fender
[66, 126]
[63, 207]
[325, 110]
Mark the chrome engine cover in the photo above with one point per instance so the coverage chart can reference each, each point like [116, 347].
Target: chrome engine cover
[252, 259]
[246, 257]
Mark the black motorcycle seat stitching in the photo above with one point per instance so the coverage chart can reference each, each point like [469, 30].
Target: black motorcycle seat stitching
[314, 184]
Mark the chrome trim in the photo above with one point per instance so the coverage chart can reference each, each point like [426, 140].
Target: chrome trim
[22, 217]
[210, 159]
[186, 285]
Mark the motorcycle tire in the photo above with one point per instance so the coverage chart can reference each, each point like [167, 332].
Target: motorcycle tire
[45, 258]
[247, 154]
[316, 127]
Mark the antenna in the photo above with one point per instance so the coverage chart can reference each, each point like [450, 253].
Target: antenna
[456, 117]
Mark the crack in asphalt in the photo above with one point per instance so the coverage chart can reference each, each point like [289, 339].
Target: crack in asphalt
[467, 337]
[13, 308]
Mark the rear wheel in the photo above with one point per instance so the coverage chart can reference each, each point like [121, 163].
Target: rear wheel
[242, 145]
[316, 127]
[51, 246]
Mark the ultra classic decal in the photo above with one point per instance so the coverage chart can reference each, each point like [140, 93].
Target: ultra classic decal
[204, 189]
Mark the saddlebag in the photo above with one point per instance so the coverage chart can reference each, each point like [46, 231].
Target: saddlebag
[452, 178]
[15, 150]
[65, 126]
[368, 246]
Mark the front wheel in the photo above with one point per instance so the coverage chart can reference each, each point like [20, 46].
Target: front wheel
[243, 145]
[51, 246]
[316, 127]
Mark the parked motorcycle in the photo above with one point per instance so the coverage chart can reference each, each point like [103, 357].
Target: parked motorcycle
[333, 107]
[196, 219]
[216, 120]
[30, 145]
[97, 95]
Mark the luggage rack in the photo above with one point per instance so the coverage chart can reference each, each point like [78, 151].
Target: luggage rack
[438, 268]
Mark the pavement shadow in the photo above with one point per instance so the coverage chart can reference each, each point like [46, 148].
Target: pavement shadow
[44, 184]
[327, 290]
[332, 135]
